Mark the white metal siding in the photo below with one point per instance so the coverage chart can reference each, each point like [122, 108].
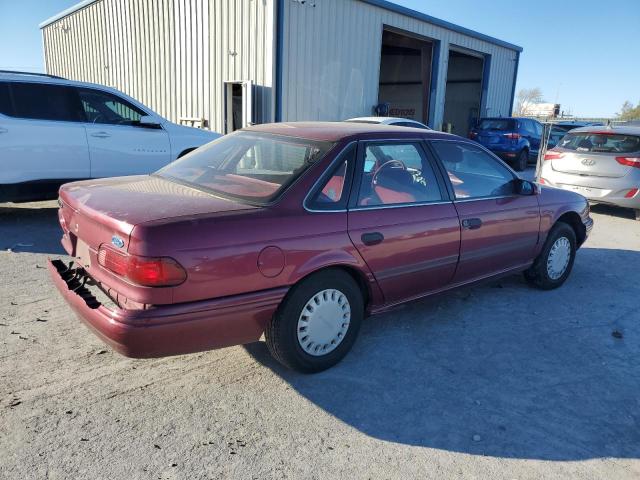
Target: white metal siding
[331, 60]
[172, 55]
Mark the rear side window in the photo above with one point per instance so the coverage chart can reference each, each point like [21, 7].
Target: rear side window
[501, 124]
[5, 100]
[335, 190]
[46, 102]
[600, 142]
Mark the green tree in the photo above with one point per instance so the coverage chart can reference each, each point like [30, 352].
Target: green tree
[629, 112]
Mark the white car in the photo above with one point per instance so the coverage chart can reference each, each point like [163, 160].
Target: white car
[53, 131]
[398, 122]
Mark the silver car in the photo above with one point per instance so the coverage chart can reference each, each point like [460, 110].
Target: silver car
[600, 163]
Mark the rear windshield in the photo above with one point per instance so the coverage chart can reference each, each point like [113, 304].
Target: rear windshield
[600, 142]
[501, 124]
[249, 166]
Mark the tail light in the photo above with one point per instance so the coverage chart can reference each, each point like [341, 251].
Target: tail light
[145, 271]
[553, 155]
[512, 135]
[631, 193]
[629, 161]
[473, 135]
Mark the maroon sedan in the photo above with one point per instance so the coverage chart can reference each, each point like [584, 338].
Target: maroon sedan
[297, 231]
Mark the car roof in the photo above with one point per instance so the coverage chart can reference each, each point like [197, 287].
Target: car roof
[621, 130]
[35, 77]
[381, 119]
[334, 131]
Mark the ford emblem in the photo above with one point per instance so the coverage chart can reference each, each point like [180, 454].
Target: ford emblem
[117, 242]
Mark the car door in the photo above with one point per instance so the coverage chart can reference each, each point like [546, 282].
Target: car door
[41, 133]
[402, 221]
[499, 227]
[118, 143]
[532, 136]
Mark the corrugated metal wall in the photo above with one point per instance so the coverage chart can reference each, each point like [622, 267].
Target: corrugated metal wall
[172, 55]
[331, 60]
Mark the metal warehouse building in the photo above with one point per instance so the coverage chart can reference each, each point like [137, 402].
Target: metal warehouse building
[222, 64]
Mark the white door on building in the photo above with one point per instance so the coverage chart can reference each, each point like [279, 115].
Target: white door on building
[118, 143]
[238, 104]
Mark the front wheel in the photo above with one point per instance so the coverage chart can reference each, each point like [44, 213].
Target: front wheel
[317, 322]
[554, 264]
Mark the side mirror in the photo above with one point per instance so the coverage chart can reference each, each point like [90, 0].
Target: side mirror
[148, 121]
[525, 187]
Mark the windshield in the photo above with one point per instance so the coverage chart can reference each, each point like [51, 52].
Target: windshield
[600, 142]
[250, 166]
[501, 124]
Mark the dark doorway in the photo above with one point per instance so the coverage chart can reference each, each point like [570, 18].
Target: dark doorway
[405, 75]
[463, 96]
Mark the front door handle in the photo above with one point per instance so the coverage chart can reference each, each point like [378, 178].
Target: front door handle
[372, 238]
[471, 223]
[101, 135]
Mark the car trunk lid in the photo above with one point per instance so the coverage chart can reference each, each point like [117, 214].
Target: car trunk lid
[595, 154]
[105, 211]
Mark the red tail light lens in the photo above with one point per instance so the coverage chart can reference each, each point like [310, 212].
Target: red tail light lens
[631, 193]
[473, 135]
[629, 161]
[145, 271]
[553, 155]
[512, 136]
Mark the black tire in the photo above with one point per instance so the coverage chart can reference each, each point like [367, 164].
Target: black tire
[538, 275]
[522, 161]
[282, 331]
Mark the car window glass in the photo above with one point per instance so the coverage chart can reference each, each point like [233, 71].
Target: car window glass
[603, 142]
[408, 124]
[335, 190]
[105, 108]
[45, 102]
[5, 100]
[528, 126]
[538, 128]
[473, 172]
[400, 174]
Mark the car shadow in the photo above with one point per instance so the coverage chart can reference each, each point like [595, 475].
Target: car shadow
[30, 227]
[613, 211]
[502, 370]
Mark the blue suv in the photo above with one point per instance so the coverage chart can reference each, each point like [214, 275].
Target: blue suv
[515, 140]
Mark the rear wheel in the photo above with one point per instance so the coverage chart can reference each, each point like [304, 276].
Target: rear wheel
[554, 264]
[317, 323]
[522, 161]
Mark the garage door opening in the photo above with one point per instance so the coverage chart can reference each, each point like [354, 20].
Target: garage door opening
[405, 76]
[463, 96]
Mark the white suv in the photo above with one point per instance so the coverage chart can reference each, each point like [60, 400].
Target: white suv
[53, 131]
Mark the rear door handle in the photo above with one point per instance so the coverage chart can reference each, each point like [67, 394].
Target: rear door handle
[101, 134]
[471, 223]
[372, 238]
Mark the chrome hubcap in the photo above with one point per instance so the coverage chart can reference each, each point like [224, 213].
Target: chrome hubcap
[324, 322]
[559, 257]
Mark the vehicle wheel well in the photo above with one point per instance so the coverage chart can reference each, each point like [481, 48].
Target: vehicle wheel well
[185, 151]
[355, 274]
[573, 220]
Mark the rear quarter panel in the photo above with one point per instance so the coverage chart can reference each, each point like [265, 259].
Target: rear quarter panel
[222, 253]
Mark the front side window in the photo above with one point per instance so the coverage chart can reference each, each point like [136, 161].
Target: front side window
[395, 174]
[105, 108]
[247, 165]
[45, 101]
[473, 172]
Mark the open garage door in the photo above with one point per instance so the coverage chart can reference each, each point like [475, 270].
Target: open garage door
[463, 96]
[405, 75]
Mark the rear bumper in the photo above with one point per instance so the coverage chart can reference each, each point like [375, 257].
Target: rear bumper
[172, 329]
[611, 191]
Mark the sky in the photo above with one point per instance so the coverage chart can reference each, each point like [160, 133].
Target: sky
[581, 53]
